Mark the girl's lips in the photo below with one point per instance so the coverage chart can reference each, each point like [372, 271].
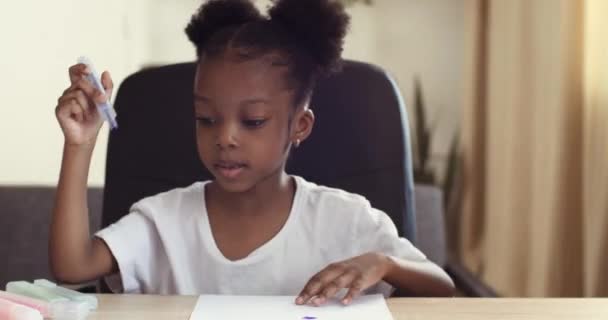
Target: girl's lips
[229, 170]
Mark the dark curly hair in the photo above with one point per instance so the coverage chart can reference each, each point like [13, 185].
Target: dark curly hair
[308, 36]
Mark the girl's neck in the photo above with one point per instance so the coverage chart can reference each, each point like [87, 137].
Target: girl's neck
[257, 200]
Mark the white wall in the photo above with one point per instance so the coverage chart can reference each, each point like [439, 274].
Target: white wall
[167, 40]
[425, 38]
[40, 39]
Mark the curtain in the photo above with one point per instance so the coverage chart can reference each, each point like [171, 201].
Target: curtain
[534, 214]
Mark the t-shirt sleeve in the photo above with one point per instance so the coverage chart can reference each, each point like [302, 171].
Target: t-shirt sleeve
[132, 241]
[374, 231]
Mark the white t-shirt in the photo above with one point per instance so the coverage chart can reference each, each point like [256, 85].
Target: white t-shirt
[165, 245]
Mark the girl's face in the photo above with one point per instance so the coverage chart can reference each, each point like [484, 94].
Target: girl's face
[243, 114]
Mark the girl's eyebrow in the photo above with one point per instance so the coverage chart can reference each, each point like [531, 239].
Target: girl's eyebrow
[254, 101]
[244, 102]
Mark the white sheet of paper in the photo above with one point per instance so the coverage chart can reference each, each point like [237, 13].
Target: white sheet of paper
[221, 307]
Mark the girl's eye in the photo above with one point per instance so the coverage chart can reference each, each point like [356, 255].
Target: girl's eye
[254, 123]
[205, 121]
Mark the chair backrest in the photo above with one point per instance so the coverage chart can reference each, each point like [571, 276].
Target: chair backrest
[360, 141]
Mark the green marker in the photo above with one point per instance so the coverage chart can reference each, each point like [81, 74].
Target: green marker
[27, 289]
[68, 293]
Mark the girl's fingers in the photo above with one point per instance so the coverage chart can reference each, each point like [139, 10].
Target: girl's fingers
[318, 282]
[84, 85]
[107, 83]
[311, 289]
[84, 103]
[77, 95]
[354, 291]
[77, 78]
[70, 108]
[77, 72]
[79, 98]
[343, 281]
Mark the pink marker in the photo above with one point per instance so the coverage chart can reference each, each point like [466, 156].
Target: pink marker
[39, 305]
[13, 311]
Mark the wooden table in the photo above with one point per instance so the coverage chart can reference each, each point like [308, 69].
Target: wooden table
[140, 307]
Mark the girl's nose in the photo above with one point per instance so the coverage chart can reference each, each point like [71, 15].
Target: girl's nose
[226, 136]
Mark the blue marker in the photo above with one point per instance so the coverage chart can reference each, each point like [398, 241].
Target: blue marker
[309, 318]
[105, 109]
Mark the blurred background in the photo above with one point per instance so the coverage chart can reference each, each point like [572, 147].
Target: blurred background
[508, 102]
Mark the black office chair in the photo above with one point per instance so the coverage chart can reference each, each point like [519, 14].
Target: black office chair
[360, 142]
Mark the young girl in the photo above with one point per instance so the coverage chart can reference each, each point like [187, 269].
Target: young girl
[254, 229]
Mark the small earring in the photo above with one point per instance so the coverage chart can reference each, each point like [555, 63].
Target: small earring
[297, 143]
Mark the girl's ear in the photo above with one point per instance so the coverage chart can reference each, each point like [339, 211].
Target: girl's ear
[303, 124]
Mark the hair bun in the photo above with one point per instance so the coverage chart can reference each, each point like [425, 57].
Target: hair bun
[218, 14]
[319, 25]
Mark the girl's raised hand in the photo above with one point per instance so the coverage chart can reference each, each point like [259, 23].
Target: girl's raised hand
[76, 110]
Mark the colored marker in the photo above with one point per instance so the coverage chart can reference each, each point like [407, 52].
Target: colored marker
[70, 294]
[41, 306]
[30, 290]
[14, 311]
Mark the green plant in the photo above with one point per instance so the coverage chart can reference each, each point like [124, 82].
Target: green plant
[452, 184]
[423, 172]
[452, 179]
